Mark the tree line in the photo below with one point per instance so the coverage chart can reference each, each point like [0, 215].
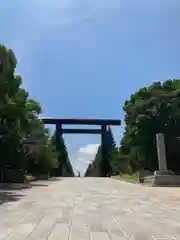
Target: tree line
[150, 110]
[153, 109]
[26, 145]
[95, 168]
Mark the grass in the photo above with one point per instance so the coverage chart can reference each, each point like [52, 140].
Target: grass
[30, 178]
[126, 177]
[133, 177]
[129, 177]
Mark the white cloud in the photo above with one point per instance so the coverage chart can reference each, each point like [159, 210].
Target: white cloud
[84, 157]
[89, 149]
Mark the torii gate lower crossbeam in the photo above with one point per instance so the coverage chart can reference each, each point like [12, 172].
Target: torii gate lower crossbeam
[58, 122]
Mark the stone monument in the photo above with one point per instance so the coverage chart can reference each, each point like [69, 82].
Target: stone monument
[162, 177]
[161, 153]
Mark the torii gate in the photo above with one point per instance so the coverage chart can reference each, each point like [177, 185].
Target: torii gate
[103, 123]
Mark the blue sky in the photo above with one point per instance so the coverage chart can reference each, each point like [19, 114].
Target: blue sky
[83, 58]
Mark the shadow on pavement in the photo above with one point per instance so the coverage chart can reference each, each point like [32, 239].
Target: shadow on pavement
[10, 192]
[6, 196]
[20, 186]
[26, 185]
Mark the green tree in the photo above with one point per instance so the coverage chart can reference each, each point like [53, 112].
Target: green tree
[20, 128]
[13, 100]
[111, 150]
[41, 157]
[88, 170]
[149, 111]
[64, 165]
[95, 169]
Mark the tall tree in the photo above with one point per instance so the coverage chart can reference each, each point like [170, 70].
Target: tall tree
[65, 167]
[19, 121]
[87, 172]
[95, 169]
[13, 100]
[151, 110]
[111, 145]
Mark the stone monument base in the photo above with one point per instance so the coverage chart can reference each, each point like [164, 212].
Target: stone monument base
[163, 179]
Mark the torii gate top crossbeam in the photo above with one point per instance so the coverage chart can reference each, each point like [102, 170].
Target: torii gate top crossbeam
[76, 121]
[81, 131]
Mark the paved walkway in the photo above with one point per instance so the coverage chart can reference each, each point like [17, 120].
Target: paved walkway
[89, 209]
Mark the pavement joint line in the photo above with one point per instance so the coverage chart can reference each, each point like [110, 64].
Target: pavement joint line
[106, 226]
[34, 228]
[71, 217]
[124, 232]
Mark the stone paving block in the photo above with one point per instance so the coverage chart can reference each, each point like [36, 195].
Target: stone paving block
[43, 227]
[60, 231]
[79, 232]
[119, 238]
[115, 230]
[65, 216]
[97, 226]
[99, 236]
[21, 232]
[4, 232]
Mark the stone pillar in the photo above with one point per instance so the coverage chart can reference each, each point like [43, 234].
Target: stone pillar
[104, 159]
[58, 133]
[163, 177]
[58, 137]
[161, 151]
